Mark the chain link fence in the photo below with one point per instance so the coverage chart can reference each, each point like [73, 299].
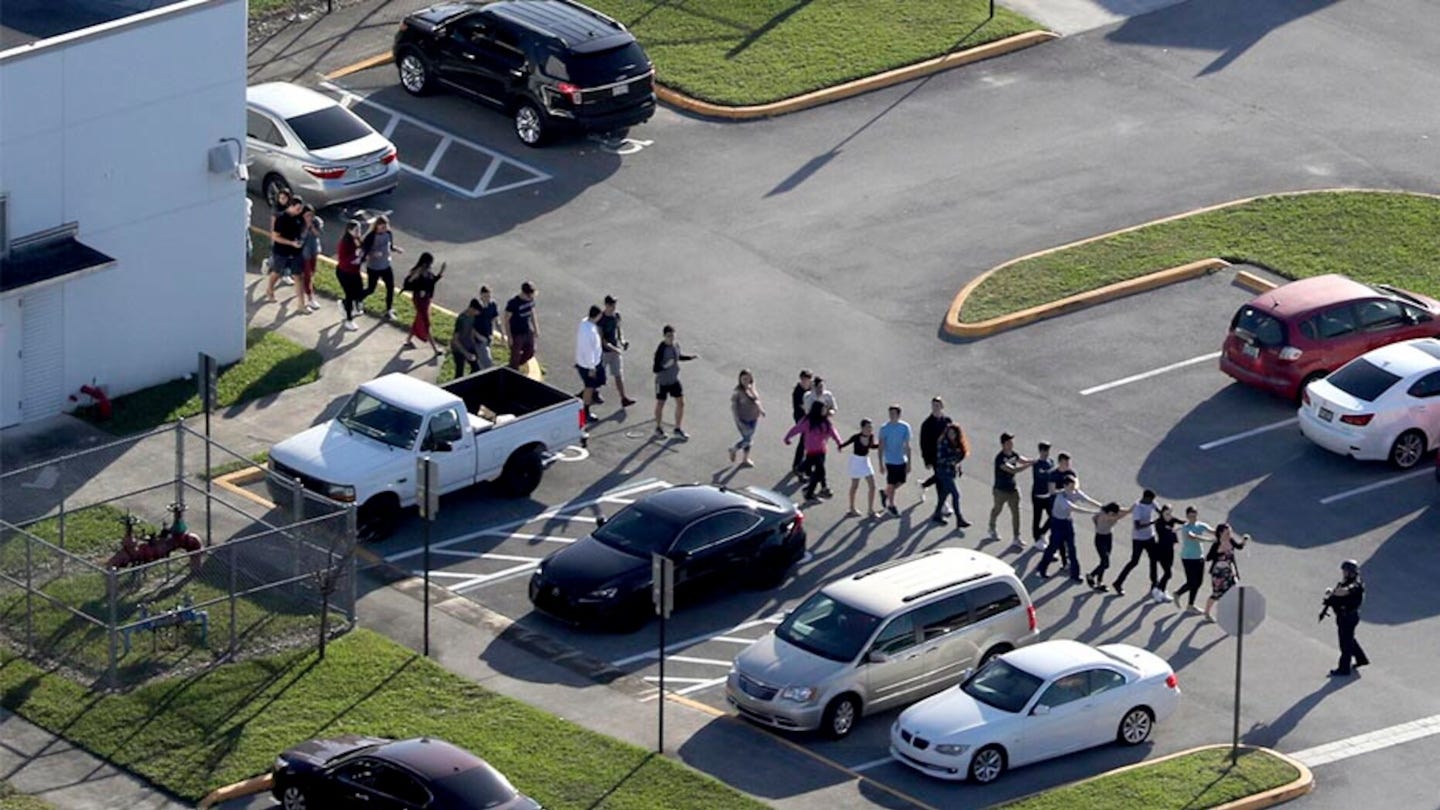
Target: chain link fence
[118, 574]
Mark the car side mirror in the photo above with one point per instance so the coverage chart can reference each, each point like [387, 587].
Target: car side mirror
[877, 657]
[599, 521]
[1040, 710]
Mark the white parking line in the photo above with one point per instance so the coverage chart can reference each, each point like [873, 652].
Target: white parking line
[697, 686]
[486, 579]
[1340, 496]
[733, 640]
[1371, 741]
[1148, 374]
[692, 641]
[685, 659]
[874, 763]
[1247, 434]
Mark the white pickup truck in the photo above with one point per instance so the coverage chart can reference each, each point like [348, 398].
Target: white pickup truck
[496, 425]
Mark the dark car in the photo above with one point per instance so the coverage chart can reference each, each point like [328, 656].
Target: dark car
[1299, 332]
[552, 64]
[380, 774]
[711, 534]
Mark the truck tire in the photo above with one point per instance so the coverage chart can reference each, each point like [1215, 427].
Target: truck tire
[522, 472]
[377, 518]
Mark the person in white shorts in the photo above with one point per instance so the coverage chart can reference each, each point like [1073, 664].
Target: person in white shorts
[860, 467]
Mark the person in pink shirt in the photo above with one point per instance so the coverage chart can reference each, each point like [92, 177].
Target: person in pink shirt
[815, 431]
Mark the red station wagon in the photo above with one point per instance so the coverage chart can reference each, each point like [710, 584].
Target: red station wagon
[1301, 331]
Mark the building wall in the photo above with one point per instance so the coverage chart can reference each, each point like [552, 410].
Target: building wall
[112, 132]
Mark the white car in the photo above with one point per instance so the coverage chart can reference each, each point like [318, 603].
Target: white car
[1035, 703]
[1383, 405]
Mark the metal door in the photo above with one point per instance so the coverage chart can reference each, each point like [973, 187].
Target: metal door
[10, 359]
[42, 389]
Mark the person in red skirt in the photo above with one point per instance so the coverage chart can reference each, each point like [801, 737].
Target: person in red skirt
[420, 283]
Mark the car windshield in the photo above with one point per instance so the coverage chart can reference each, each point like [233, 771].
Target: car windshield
[1001, 685]
[634, 530]
[477, 787]
[380, 420]
[828, 628]
[327, 127]
[1264, 328]
[1362, 379]
[606, 67]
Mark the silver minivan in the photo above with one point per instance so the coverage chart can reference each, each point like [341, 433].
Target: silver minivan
[885, 637]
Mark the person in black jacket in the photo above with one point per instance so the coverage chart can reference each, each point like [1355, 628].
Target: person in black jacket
[1345, 599]
[930, 431]
[797, 409]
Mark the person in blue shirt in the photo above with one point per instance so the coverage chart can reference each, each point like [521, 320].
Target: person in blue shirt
[895, 453]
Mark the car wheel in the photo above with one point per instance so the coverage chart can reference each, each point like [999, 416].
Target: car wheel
[840, 716]
[530, 126]
[522, 472]
[987, 765]
[414, 73]
[1135, 726]
[998, 649]
[1305, 383]
[1408, 449]
[293, 798]
[272, 187]
[377, 518]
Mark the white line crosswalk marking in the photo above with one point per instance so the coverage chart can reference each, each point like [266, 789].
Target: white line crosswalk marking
[1368, 742]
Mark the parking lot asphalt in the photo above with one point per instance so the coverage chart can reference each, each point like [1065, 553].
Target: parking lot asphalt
[835, 238]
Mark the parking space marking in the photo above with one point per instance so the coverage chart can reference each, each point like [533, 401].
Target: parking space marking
[1247, 434]
[426, 171]
[1148, 374]
[693, 640]
[487, 579]
[874, 763]
[696, 685]
[685, 659]
[1370, 741]
[1340, 496]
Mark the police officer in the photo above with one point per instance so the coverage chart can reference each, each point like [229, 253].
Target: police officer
[1345, 599]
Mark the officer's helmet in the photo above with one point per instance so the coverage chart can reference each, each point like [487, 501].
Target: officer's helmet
[1350, 567]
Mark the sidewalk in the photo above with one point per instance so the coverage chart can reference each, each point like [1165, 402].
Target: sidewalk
[38, 763]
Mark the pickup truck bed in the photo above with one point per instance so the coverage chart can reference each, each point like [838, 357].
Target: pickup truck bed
[496, 392]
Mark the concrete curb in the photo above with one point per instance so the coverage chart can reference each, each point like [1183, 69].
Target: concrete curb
[955, 327]
[679, 100]
[876, 82]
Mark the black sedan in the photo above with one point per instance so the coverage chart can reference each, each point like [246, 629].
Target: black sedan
[710, 533]
[381, 774]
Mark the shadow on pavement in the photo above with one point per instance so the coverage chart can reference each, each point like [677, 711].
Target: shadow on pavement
[1231, 27]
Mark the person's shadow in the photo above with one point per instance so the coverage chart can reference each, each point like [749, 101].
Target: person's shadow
[1270, 734]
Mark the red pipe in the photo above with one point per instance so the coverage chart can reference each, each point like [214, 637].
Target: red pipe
[102, 402]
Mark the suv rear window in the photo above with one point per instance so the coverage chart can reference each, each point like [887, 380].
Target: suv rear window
[1362, 379]
[328, 127]
[602, 67]
[992, 600]
[1264, 328]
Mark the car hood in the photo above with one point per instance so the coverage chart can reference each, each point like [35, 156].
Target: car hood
[350, 151]
[777, 662]
[333, 453]
[949, 714]
[319, 752]
[588, 564]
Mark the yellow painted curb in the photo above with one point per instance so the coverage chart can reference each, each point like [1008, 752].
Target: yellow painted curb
[880, 80]
[1254, 283]
[364, 64]
[235, 482]
[249, 787]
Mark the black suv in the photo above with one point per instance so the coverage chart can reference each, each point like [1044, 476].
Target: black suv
[551, 64]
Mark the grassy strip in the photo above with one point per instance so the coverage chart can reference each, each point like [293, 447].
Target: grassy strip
[231, 466]
[1386, 237]
[192, 735]
[742, 52]
[271, 364]
[12, 799]
[1189, 782]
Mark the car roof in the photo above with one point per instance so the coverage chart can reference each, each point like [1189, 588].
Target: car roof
[582, 29]
[286, 100]
[429, 757]
[407, 392]
[1050, 658]
[1407, 357]
[1308, 294]
[885, 589]
[687, 502]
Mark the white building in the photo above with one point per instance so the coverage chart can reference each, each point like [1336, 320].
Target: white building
[121, 235]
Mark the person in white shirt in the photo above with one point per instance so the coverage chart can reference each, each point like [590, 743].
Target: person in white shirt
[588, 356]
[818, 392]
[1143, 516]
[1062, 525]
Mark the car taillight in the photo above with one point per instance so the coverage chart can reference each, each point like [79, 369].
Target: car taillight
[1357, 419]
[570, 91]
[1305, 396]
[391, 156]
[326, 172]
[1290, 353]
[799, 522]
[1030, 615]
[1171, 681]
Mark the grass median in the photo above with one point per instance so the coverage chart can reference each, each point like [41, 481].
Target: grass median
[12, 799]
[271, 364]
[1390, 237]
[1192, 781]
[192, 735]
[740, 52]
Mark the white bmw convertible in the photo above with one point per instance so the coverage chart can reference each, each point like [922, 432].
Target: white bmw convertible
[1035, 703]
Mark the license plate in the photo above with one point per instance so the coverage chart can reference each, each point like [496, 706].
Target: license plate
[620, 89]
[367, 171]
[1251, 351]
[1327, 414]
